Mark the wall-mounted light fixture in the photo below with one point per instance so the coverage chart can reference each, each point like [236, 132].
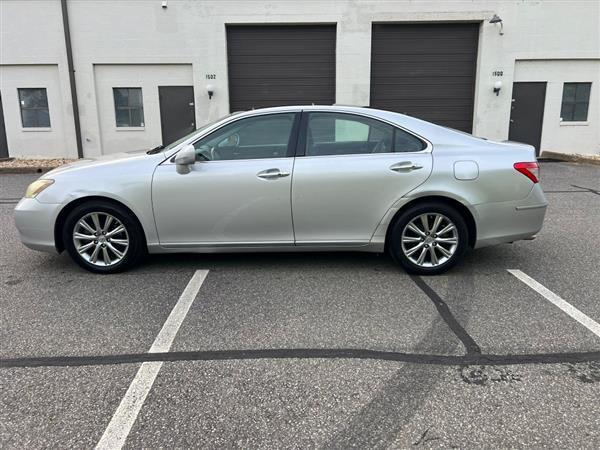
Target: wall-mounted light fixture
[211, 90]
[497, 19]
[164, 4]
[497, 87]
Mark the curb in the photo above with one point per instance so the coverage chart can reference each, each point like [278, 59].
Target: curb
[586, 159]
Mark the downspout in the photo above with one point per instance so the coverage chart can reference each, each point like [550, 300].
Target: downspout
[65, 17]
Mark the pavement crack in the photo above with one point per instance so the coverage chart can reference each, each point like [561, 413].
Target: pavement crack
[444, 311]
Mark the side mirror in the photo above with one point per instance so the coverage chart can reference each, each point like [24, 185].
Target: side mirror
[185, 158]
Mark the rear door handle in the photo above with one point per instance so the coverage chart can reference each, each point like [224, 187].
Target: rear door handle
[271, 174]
[405, 166]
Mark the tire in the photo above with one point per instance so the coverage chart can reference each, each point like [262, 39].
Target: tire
[407, 246]
[110, 240]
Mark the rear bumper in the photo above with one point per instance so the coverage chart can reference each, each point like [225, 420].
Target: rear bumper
[35, 223]
[503, 222]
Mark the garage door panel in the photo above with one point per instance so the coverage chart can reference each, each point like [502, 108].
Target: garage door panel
[280, 65]
[311, 58]
[426, 70]
[286, 82]
[273, 70]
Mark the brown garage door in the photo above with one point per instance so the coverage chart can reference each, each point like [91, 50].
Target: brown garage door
[426, 71]
[280, 65]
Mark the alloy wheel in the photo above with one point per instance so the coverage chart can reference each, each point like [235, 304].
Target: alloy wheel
[101, 239]
[429, 240]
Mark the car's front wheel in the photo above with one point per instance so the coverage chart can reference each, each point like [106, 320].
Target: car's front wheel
[428, 238]
[103, 237]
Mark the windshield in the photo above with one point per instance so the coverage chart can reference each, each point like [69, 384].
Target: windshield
[187, 136]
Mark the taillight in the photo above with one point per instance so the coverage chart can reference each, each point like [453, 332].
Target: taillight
[530, 169]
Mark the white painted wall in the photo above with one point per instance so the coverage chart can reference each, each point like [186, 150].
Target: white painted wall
[35, 142]
[146, 76]
[565, 137]
[131, 32]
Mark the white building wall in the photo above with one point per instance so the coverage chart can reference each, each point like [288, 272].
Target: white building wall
[47, 142]
[193, 32]
[559, 136]
[146, 76]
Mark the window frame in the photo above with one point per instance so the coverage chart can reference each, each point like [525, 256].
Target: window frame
[574, 102]
[292, 140]
[129, 108]
[34, 108]
[301, 144]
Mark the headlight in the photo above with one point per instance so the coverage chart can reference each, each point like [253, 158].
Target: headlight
[36, 187]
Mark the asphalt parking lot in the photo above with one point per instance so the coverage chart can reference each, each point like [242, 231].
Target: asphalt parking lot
[309, 350]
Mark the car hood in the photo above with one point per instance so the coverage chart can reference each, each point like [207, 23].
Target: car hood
[112, 159]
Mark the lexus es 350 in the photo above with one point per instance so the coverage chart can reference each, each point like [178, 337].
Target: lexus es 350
[301, 178]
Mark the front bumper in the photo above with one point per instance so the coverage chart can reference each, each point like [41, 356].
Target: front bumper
[502, 222]
[35, 223]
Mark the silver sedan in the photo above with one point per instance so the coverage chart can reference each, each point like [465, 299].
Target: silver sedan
[292, 179]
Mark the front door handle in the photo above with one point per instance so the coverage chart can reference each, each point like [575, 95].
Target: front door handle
[405, 166]
[271, 174]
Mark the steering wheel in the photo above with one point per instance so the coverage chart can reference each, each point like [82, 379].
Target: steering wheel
[214, 154]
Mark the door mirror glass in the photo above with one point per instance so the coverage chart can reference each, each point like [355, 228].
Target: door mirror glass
[185, 158]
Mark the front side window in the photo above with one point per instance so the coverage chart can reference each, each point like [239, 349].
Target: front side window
[129, 107]
[34, 107]
[348, 134]
[251, 138]
[575, 102]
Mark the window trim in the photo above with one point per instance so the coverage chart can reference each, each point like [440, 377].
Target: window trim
[291, 146]
[574, 103]
[128, 108]
[301, 143]
[21, 107]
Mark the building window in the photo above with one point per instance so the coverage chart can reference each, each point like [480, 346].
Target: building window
[129, 109]
[575, 102]
[34, 107]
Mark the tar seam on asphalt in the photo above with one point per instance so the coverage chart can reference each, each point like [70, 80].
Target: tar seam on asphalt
[594, 191]
[302, 353]
[566, 192]
[444, 311]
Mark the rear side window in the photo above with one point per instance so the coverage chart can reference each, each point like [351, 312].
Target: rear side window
[406, 142]
[346, 134]
[349, 134]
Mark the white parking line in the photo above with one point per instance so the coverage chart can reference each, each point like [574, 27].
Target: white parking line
[580, 317]
[118, 429]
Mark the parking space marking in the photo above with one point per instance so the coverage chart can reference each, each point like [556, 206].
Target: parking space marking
[569, 309]
[118, 429]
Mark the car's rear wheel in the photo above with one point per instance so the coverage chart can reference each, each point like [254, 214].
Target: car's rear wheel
[428, 238]
[103, 237]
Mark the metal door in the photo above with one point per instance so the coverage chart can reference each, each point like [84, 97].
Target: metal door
[527, 113]
[342, 198]
[177, 112]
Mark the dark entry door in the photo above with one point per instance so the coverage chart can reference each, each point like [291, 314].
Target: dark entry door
[177, 113]
[527, 113]
[3, 143]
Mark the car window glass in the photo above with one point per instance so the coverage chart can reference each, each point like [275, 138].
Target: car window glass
[346, 134]
[405, 142]
[252, 138]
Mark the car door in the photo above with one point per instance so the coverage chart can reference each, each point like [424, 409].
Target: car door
[238, 191]
[349, 170]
